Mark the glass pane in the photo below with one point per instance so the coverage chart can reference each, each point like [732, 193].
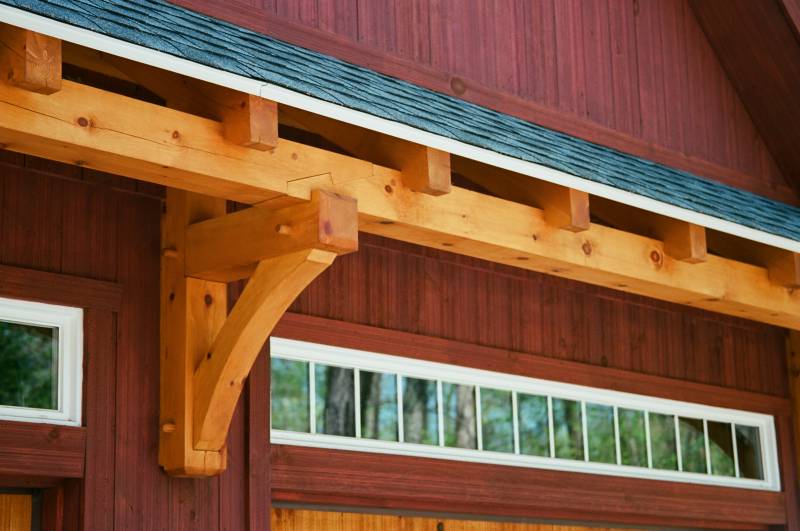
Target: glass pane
[420, 423]
[378, 405]
[720, 447]
[459, 415]
[28, 365]
[693, 445]
[748, 447]
[335, 400]
[662, 441]
[567, 429]
[600, 428]
[289, 395]
[497, 420]
[534, 434]
[632, 437]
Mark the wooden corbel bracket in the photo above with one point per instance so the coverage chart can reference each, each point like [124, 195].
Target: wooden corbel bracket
[206, 353]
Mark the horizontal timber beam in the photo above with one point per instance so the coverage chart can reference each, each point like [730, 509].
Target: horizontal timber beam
[90, 127]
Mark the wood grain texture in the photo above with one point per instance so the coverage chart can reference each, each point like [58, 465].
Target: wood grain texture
[636, 76]
[41, 450]
[15, 512]
[357, 479]
[308, 520]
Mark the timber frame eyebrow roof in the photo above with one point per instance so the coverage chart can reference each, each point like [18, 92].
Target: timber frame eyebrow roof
[174, 30]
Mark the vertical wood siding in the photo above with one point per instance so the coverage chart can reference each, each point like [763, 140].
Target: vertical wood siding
[394, 285]
[642, 70]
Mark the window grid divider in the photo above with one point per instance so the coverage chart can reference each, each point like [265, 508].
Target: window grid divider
[648, 442]
[357, 400]
[312, 397]
[515, 420]
[585, 431]
[678, 449]
[617, 438]
[400, 420]
[478, 419]
[735, 450]
[708, 447]
[550, 427]
[440, 412]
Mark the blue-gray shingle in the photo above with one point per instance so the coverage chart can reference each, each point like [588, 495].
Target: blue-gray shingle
[168, 28]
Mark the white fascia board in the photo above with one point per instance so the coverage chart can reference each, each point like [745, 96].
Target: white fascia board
[142, 54]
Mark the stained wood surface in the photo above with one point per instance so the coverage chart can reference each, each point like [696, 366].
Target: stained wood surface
[15, 512]
[306, 520]
[637, 76]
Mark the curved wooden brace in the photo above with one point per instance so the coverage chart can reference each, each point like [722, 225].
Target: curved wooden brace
[206, 353]
[219, 379]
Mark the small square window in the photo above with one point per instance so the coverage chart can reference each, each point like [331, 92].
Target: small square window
[41, 351]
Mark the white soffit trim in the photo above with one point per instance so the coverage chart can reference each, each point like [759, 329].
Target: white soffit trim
[90, 39]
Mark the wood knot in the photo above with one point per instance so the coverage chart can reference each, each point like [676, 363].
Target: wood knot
[458, 86]
[388, 189]
[656, 257]
[208, 299]
[327, 228]
[176, 135]
[587, 248]
[83, 122]
[54, 434]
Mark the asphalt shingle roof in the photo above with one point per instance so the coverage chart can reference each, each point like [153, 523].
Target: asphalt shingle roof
[168, 28]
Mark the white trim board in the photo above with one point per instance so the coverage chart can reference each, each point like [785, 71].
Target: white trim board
[142, 54]
[315, 354]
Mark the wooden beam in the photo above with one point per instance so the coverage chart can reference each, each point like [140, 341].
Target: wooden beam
[328, 222]
[114, 137]
[564, 208]
[192, 313]
[30, 60]
[423, 169]
[682, 240]
[248, 120]
[783, 267]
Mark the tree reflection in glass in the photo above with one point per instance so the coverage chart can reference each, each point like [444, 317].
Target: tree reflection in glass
[600, 428]
[534, 433]
[567, 429]
[458, 403]
[378, 405]
[497, 420]
[693, 445]
[335, 400]
[420, 416]
[28, 365]
[662, 441]
[289, 395]
[632, 437]
[720, 447]
[748, 448]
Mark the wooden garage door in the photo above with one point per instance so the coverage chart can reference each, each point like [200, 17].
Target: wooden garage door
[304, 520]
[15, 512]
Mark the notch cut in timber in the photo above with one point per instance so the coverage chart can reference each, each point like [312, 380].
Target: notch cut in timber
[30, 60]
[206, 353]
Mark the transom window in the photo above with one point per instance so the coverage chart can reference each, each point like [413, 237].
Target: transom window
[41, 348]
[334, 397]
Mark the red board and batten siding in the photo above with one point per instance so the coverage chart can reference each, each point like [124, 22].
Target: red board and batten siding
[635, 75]
[78, 225]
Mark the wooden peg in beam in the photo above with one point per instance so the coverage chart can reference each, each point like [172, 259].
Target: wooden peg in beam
[30, 60]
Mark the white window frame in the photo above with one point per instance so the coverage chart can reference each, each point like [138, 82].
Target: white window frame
[69, 322]
[356, 359]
